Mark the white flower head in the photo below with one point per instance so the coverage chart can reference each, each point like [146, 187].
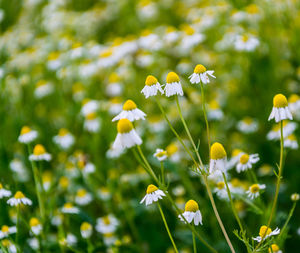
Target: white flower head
[218, 158]
[287, 129]
[274, 248]
[83, 197]
[192, 213]
[291, 142]
[254, 189]
[221, 190]
[153, 194]
[3, 192]
[69, 208]
[130, 111]
[18, 199]
[107, 224]
[64, 139]
[294, 103]
[151, 87]
[35, 226]
[265, 233]
[160, 154]
[27, 135]
[280, 110]
[201, 75]
[40, 154]
[246, 43]
[89, 106]
[92, 122]
[247, 125]
[246, 162]
[173, 85]
[86, 230]
[6, 231]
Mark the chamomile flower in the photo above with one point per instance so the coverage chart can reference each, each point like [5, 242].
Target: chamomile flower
[35, 226]
[151, 87]
[153, 194]
[221, 190]
[127, 136]
[6, 231]
[3, 192]
[192, 213]
[294, 103]
[64, 139]
[280, 109]
[291, 142]
[18, 199]
[47, 180]
[83, 197]
[265, 232]
[247, 125]
[274, 248]
[130, 111]
[107, 224]
[40, 154]
[254, 189]
[246, 162]
[214, 110]
[218, 158]
[27, 135]
[295, 197]
[91, 122]
[89, 106]
[86, 230]
[288, 129]
[246, 43]
[201, 75]
[104, 193]
[43, 88]
[69, 208]
[9, 246]
[235, 158]
[173, 85]
[160, 154]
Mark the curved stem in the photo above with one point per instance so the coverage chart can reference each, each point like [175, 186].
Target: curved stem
[194, 243]
[288, 219]
[167, 227]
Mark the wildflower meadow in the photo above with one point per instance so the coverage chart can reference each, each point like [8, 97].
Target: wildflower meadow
[149, 126]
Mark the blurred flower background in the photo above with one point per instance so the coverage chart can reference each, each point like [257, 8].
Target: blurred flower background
[66, 69]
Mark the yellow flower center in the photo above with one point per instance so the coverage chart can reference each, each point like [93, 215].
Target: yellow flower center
[199, 69]
[151, 80]
[214, 105]
[264, 231]
[220, 185]
[235, 182]
[244, 159]
[236, 152]
[172, 77]
[245, 38]
[39, 150]
[280, 101]
[217, 151]
[68, 205]
[64, 182]
[151, 188]
[114, 78]
[25, 130]
[254, 188]
[191, 206]
[274, 248]
[106, 220]
[85, 226]
[1, 186]
[172, 149]
[5, 229]
[85, 101]
[19, 195]
[106, 53]
[81, 193]
[63, 132]
[129, 105]
[124, 126]
[91, 116]
[6, 243]
[188, 30]
[161, 154]
[294, 98]
[248, 120]
[292, 137]
[53, 56]
[252, 9]
[34, 222]
[41, 83]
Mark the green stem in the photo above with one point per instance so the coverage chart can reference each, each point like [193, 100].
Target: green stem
[167, 227]
[205, 116]
[288, 219]
[18, 228]
[162, 173]
[194, 243]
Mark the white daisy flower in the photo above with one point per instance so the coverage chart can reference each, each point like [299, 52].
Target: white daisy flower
[27, 135]
[190, 39]
[104, 193]
[130, 111]
[192, 213]
[86, 167]
[40, 154]
[69, 208]
[254, 189]
[201, 75]
[173, 85]
[35, 226]
[64, 139]
[287, 129]
[127, 136]
[235, 158]
[246, 162]
[280, 109]
[54, 62]
[92, 122]
[83, 197]
[3, 192]
[109, 239]
[86, 230]
[160, 154]
[34, 243]
[43, 88]
[71, 239]
[171, 35]
[107, 224]
[247, 125]
[221, 190]
[291, 142]
[18, 199]
[246, 43]
[214, 110]
[151, 87]
[89, 106]
[7, 244]
[6, 231]
[265, 233]
[47, 180]
[274, 248]
[294, 103]
[218, 158]
[153, 194]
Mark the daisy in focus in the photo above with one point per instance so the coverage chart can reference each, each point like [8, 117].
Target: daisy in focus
[3, 192]
[280, 110]
[173, 85]
[153, 194]
[218, 158]
[160, 154]
[246, 162]
[130, 111]
[64, 139]
[127, 136]
[40, 154]
[192, 213]
[151, 87]
[86, 230]
[254, 189]
[265, 232]
[201, 75]
[6, 231]
[27, 135]
[18, 199]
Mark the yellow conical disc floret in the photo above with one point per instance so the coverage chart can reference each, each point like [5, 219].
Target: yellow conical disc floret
[91, 116]
[191, 206]
[68, 205]
[19, 195]
[254, 188]
[199, 69]
[217, 151]
[280, 101]
[151, 80]
[85, 226]
[39, 150]
[25, 130]
[264, 231]
[244, 159]
[63, 132]
[129, 105]
[151, 188]
[81, 193]
[274, 248]
[5, 229]
[34, 222]
[220, 185]
[172, 77]
[124, 126]
[294, 98]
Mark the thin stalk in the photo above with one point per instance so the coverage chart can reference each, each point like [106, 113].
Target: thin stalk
[167, 227]
[18, 228]
[162, 173]
[288, 219]
[194, 243]
[205, 116]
